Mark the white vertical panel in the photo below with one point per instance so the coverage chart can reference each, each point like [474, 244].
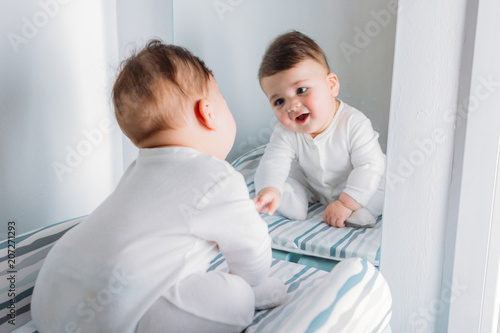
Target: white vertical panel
[231, 36]
[60, 148]
[427, 69]
[476, 252]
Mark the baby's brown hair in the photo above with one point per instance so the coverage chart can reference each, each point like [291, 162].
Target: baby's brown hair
[287, 50]
[154, 88]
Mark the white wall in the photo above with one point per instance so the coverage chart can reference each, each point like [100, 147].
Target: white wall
[60, 150]
[424, 103]
[231, 37]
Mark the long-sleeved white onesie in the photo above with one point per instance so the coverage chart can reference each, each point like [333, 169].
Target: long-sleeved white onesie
[172, 212]
[346, 157]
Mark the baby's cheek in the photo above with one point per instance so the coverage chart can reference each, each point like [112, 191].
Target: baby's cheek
[283, 118]
[313, 102]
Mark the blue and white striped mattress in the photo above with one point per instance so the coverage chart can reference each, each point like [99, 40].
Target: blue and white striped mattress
[354, 297]
[30, 252]
[313, 237]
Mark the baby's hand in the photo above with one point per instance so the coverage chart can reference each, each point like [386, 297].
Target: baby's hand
[268, 200]
[336, 214]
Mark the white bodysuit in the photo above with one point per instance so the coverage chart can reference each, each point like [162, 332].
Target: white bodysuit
[173, 210]
[346, 157]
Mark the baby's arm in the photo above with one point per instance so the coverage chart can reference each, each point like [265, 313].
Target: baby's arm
[367, 159]
[368, 163]
[227, 217]
[273, 171]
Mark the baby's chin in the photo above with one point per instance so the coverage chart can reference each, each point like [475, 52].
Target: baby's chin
[307, 128]
[311, 132]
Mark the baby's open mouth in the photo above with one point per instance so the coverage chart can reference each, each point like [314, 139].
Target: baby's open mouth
[302, 118]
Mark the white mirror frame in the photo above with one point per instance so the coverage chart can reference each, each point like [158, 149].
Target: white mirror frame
[474, 260]
[440, 243]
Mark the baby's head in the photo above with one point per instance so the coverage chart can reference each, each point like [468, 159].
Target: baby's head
[296, 78]
[289, 49]
[164, 90]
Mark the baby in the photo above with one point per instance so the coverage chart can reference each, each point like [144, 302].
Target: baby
[322, 149]
[149, 244]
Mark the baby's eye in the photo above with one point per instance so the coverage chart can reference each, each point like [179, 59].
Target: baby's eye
[279, 101]
[301, 90]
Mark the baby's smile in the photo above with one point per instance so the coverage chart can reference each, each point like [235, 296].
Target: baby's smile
[302, 118]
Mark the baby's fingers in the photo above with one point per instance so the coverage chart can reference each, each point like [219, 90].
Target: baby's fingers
[334, 220]
[266, 203]
[273, 205]
[329, 220]
[260, 203]
[340, 223]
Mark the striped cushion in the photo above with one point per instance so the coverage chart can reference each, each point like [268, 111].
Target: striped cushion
[353, 297]
[313, 237]
[30, 251]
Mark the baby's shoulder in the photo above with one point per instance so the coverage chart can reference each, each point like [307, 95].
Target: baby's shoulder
[208, 163]
[352, 114]
[353, 120]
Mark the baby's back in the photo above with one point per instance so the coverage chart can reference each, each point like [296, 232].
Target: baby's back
[131, 248]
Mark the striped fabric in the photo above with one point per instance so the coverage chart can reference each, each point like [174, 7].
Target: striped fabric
[313, 237]
[353, 297]
[30, 251]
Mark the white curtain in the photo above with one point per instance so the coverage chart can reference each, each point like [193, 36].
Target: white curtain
[61, 151]
[60, 148]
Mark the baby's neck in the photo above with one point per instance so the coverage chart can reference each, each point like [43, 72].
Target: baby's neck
[165, 138]
[329, 120]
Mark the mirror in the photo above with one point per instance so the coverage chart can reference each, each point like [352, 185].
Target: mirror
[232, 36]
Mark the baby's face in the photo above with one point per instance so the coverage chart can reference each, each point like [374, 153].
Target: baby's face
[303, 97]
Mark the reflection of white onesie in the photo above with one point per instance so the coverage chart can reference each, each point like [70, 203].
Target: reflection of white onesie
[172, 212]
[346, 157]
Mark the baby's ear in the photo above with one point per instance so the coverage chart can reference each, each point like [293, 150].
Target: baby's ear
[204, 114]
[333, 82]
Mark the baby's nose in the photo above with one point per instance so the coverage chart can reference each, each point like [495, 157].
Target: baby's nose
[294, 106]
